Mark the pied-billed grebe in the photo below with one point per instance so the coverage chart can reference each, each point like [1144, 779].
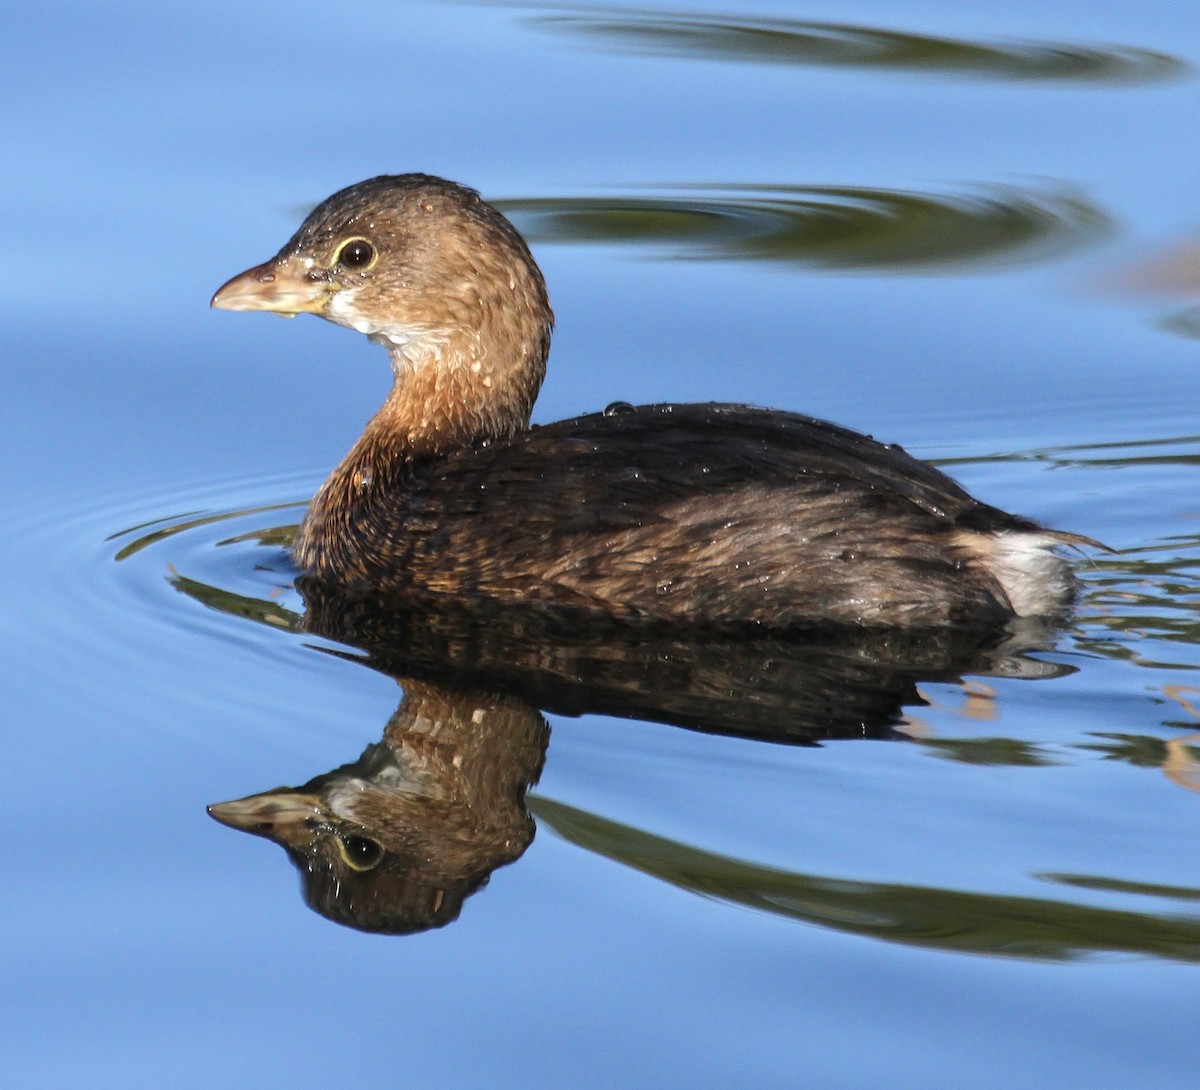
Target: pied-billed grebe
[712, 513]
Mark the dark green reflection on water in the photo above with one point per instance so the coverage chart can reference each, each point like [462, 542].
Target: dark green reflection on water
[744, 40]
[837, 227]
[1116, 885]
[1174, 756]
[950, 920]
[1009, 752]
[245, 606]
[1141, 597]
[1183, 450]
[150, 533]
[1140, 750]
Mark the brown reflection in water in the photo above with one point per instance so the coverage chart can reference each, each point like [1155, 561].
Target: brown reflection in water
[810, 685]
[1182, 766]
[395, 841]
[1178, 758]
[850, 228]
[1173, 271]
[704, 36]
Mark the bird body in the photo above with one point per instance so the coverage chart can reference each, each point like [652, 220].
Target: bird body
[700, 514]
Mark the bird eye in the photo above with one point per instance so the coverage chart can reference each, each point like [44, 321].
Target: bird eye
[358, 253]
[361, 852]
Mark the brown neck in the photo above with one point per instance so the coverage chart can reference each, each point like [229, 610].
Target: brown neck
[437, 405]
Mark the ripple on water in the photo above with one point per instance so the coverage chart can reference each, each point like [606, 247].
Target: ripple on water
[702, 36]
[108, 585]
[837, 227]
[1140, 603]
[230, 558]
[135, 552]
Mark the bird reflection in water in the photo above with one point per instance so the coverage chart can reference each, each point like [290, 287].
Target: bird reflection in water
[397, 840]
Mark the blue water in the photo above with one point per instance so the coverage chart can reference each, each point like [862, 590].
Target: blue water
[978, 242]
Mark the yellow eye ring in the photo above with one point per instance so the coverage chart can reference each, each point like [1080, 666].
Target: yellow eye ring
[357, 254]
[361, 853]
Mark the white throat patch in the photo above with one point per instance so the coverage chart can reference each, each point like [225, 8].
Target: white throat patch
[416, 345]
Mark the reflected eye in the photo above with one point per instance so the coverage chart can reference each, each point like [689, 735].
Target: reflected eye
[361, 852]
[358, 253]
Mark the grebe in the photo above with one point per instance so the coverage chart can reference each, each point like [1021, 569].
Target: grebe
[707, 514]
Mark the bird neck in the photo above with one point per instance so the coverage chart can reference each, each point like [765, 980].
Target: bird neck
[446, 398]
[447, 395]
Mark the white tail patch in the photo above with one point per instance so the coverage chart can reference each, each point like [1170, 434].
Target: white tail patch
[1037, 579]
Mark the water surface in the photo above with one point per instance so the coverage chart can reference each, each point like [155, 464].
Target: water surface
[970, 232]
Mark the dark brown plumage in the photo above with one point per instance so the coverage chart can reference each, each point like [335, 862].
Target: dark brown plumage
[704, 514]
